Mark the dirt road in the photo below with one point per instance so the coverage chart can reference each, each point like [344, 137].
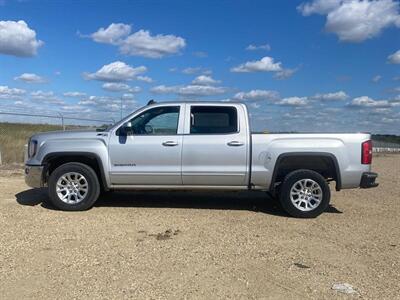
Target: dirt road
[200, 245]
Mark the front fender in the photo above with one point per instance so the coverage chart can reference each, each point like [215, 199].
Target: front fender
[95, 148]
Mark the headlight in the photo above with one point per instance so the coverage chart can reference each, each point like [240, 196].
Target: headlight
[32, 147]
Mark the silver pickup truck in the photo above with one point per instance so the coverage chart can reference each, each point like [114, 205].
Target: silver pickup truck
[197, 145]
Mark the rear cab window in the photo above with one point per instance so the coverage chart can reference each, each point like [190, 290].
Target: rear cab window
[213, 120]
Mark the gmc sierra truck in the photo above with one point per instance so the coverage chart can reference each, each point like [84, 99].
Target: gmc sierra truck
[197, 145]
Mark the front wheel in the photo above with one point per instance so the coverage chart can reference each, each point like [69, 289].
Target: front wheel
[304, 194]
[73, 187]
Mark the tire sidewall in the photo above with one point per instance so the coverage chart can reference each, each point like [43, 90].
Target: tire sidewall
[290, 180]
[93, 184]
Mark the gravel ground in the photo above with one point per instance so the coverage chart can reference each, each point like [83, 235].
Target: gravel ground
[200, 245]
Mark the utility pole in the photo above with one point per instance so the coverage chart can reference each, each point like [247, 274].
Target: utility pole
[62, 121]
[121, 107]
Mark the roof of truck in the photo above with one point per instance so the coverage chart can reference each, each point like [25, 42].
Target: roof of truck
[196, 102]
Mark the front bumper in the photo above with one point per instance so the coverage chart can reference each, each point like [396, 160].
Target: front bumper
[368, 180]
[34, 176]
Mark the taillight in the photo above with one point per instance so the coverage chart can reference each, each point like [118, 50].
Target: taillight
[366, 152]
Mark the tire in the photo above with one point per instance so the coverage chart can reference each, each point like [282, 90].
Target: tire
[304, 194]
[73, 187]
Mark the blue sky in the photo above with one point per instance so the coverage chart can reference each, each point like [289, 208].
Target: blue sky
[331, 65]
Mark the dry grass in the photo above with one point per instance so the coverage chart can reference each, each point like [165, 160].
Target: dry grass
[14, 136]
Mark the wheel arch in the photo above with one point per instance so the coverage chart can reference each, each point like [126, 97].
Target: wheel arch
[53, 160]
[324, 163]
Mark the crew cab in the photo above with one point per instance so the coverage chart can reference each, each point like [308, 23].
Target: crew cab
[197, 145]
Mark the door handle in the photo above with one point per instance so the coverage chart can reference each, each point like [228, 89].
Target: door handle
[170, 144]
[235, 144]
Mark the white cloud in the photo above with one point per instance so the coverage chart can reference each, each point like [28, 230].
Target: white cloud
[321, 7]
[128, 96]
[120, 87]
[142, 43]
[146, 79]
[376, 78]
[74, 94]
[114, 72]
[113, 34]
[336, 96]
[41, 93]
[46, 97]
[191, 70]
[266, 64]
[89, 101]
[285, 73]
[255, 105]
[394, 58]
[189, 90]
[139, 43]
[201, 90]
[205, 80]
[256, 95]
[115, 86]
[10, 93]
[365, 101]
[21, 104]
[194, 70]
[135, 89]
[163, 89]
[355, 20]
[30, 78]
[109, 104]
[17, 39]
[293, 101]
[332, 109]
[95, 100]
[381, 111]
[75, 108]
[389, 120]
[395, 101]
[252, 47]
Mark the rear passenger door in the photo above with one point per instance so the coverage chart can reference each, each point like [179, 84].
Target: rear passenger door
[215, 146]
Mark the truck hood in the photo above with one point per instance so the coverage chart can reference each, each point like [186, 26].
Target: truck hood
[71, 134]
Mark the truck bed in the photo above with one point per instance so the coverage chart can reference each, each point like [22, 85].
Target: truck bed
[345, 147]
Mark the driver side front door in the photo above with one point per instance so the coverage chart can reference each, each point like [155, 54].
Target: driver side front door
[151, 153]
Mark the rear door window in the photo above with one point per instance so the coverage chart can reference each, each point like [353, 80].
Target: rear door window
[213, 120]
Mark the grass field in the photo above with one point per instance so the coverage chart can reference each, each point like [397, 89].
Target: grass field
[13, 137]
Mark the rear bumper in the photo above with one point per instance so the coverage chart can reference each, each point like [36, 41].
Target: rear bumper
[368, 180]
[34, 176]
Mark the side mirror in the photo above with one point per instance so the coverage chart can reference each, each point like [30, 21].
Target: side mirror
[126, 129]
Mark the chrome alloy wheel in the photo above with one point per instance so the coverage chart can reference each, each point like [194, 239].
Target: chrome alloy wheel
[72, 188]
[306, 194]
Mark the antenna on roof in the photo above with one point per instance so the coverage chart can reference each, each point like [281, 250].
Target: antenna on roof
[151, 102]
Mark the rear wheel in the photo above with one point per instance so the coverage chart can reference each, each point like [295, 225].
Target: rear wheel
[304, 194]
[73, 187]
